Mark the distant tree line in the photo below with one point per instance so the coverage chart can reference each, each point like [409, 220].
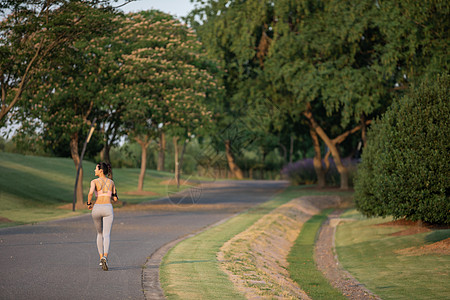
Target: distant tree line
[246, 79]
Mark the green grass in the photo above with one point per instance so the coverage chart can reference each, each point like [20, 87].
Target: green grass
[302, 267]
[32, 187]
[368, 253]
[190, 270]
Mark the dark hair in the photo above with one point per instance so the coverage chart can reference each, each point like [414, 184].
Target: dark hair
[106, 168]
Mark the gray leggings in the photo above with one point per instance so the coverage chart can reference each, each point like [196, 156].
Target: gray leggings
[103, 216]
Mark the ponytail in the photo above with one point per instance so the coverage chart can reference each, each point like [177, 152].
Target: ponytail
[110, 175]
[106, 168]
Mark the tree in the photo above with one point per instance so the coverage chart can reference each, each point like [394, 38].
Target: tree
[167, 81]
[322, 57]
[235, 34]
[403, 171]
[34, 32]
[62, 95]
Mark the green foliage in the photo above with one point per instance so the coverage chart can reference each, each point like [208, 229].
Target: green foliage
[62, 93]
[33, 33]
[405, 170]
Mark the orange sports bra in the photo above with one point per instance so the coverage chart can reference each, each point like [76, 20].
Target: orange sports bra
[105, 189]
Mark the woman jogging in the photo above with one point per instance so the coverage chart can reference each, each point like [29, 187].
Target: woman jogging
[102, 213]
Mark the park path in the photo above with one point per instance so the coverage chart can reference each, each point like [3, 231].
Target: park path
[59, 260]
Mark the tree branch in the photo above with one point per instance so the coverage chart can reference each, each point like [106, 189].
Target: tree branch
[339, 139]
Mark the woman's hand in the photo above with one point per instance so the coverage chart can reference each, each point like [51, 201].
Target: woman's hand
[114, 195]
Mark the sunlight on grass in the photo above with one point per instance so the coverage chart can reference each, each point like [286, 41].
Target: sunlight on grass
[32, 188]
[191, 270]
[369, 253]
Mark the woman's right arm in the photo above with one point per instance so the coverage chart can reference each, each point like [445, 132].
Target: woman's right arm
[90, 194]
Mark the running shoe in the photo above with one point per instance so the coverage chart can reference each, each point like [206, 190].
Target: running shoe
[104, 263]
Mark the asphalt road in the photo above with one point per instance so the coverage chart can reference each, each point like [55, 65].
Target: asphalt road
[59, 260]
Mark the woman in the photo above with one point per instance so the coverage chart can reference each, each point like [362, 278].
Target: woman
[102, 213]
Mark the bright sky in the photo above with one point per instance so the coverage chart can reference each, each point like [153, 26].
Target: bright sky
[179, 8]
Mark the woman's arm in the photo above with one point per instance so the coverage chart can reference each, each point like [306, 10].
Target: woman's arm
[114, 194]
[90, 194]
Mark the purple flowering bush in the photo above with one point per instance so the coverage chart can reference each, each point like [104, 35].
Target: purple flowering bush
[302, 172]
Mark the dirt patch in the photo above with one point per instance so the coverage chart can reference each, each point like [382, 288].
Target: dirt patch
[255, 260]
[327, 262]
[5, 220]
[411, 230]
[403, 222]
[413, 227]
[400, 222]
[440, 248]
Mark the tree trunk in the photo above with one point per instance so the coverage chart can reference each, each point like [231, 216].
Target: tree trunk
[261, 172]
[162, 150]
[178, 159]
[76, 160]
[343, 172]
[104, 154]
[177, 170]
[234, 168]
[317, 161]
[283, 147]
[291, 150]
[144, 144]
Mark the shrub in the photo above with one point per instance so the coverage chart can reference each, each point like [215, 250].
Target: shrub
[405, 169]
[302, 172]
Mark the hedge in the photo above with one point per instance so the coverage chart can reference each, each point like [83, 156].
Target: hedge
[405, 168]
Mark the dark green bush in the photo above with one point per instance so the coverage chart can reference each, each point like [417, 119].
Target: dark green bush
[405, 169]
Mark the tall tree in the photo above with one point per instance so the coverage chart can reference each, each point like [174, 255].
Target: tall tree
[62, 95]
[235, 33]
[34, 32]
[167, 80]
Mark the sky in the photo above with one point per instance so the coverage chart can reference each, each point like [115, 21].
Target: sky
[179, 8]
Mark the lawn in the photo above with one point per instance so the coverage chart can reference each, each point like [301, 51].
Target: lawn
[383, 260]
[33, 189]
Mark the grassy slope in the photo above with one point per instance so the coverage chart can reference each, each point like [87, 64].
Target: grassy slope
[368, 252]
[191, 270]
[32, 188]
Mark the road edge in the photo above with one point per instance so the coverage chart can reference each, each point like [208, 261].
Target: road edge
[151, 286]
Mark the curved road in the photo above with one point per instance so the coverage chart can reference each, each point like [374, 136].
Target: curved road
[59, 260]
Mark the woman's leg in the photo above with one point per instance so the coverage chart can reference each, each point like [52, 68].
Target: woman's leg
[98, 222]
[107, 225]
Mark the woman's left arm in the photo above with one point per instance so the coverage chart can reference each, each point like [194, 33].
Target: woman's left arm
[114, 194]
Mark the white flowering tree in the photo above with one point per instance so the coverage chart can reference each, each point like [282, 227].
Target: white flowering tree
[167, 82]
